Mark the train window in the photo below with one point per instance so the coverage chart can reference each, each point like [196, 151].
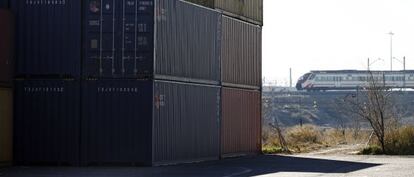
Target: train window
[312, 76]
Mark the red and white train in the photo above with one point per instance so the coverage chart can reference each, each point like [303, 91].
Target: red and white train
[353, 79]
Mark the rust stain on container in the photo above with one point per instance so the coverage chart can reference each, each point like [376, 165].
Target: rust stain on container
[6, 46]
[241, 122]
[6, 124]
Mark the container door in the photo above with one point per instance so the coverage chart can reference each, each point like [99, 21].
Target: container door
[137, 38]
[100, 38]
[119, 38]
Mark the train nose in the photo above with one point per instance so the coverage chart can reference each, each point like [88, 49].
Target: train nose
[299, 86]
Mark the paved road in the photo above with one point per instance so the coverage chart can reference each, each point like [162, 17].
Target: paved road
[271, 165]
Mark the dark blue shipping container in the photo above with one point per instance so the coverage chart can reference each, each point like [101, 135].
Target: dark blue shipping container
[119, 40]
[47, 122]
[48, 37]
[148, 122]
[116, 122]
[4, 4]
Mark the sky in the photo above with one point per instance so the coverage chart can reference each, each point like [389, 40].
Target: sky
[310, 35]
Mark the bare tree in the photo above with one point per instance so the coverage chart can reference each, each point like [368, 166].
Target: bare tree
[280, 135]
[374, 104]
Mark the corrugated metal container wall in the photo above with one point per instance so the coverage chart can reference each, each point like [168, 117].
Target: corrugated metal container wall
[186, 122]
[48, 37]
[241, 122]
[187, 42]
[248, 10]
[4, 4]
[47, 122]
[119, 38]
[6, 126]
[116, 125]
[6, 47]
[241, 53]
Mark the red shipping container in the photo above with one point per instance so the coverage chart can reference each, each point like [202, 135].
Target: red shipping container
[241, 122]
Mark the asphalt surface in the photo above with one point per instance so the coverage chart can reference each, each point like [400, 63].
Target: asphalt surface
[270, 165]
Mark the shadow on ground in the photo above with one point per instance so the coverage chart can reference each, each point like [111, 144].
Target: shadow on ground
[248, 166]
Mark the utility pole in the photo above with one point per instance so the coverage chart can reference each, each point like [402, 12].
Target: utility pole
[391, 34]
[290, 76]
[368, 64]
[404, 72]
[404, 63]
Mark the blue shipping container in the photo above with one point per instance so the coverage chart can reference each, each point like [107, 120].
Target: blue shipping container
[121, 38]
[4, 4]
[116, 121]
[47, 122]
[118, 38]
[48, 37]
[149, 122]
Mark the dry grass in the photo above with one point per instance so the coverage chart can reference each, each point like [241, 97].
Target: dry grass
[400, 141]
[309, 138]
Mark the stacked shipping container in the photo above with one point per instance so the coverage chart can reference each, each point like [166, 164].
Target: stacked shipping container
[137, 83]
[6, 91]
[149, 122]
[6, 124]
[47, 86]
[119, 41]
[6, 47]
[48, 38]
[241, 122]
[241, 56]
[47, 121]
[4, 4]
[132, 57]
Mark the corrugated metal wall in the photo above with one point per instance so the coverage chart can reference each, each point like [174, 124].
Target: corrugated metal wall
[47, 122]
[116, 121]
[119, 37]
[48, 37]
[4, 4]
[186, 122]
[241, 122]
[248, 10]
[187, 42]
[6, 47]
[6, 126]
[241, 54]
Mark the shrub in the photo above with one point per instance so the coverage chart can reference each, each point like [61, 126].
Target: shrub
[371, 150]
[272, 150]
[400, 141]
[304, 134]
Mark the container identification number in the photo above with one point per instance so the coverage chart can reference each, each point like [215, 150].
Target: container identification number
[45, 2]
